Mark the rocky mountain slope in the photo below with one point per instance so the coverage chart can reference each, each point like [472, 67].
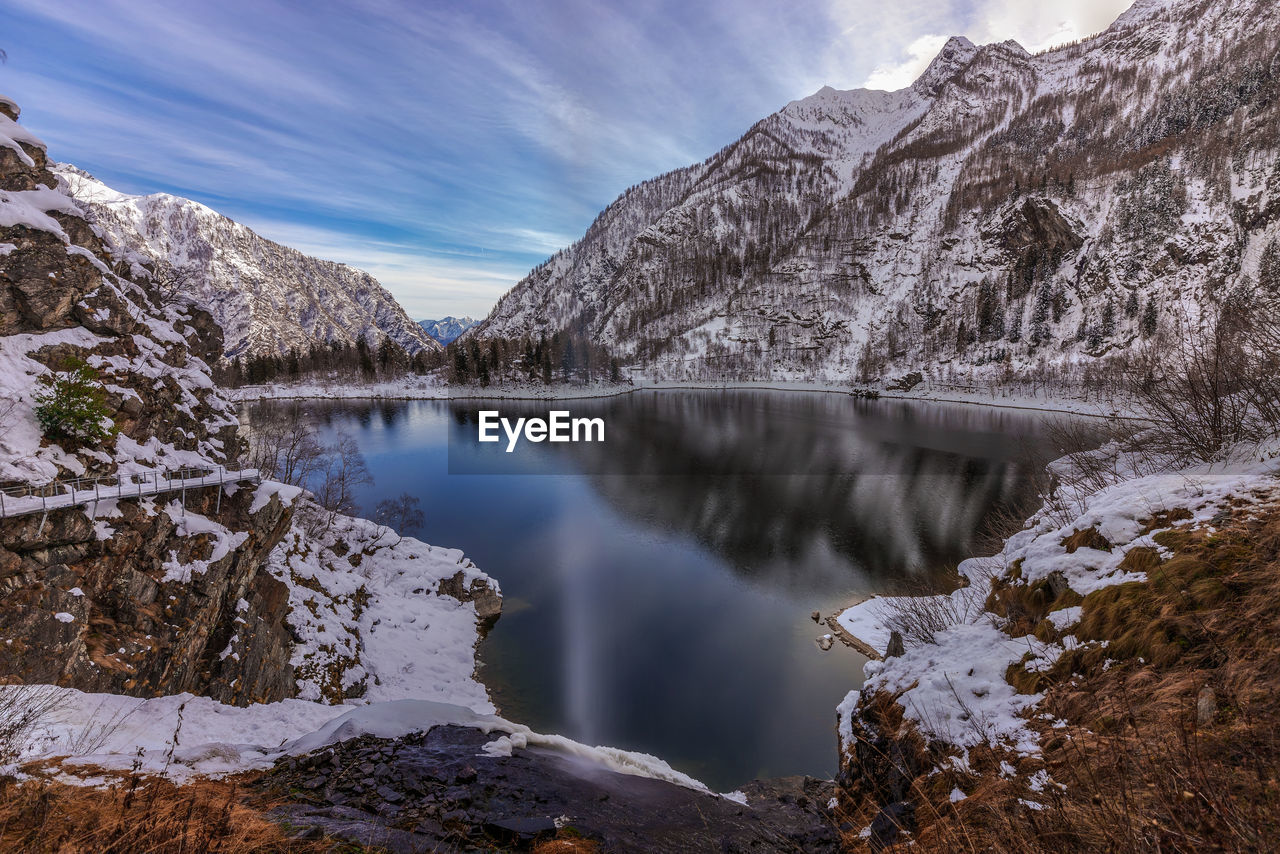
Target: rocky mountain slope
[266, 297]
[245, 593]
[1004, 212]
[447, 329]
[124, 596]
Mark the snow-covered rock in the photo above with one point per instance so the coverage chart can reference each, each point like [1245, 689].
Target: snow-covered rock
[373, 615]
[955, 687]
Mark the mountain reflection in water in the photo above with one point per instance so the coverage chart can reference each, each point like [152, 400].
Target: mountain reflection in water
[657, 587]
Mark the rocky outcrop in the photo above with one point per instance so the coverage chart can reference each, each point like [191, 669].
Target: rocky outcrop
[145, 596]
[480, 592]
[111, 616]
[440, 791]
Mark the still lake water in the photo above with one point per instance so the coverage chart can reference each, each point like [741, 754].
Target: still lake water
[658, 587]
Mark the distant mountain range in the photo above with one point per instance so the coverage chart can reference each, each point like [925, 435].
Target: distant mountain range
[1006, 212]
[447, 329]
[268, 298]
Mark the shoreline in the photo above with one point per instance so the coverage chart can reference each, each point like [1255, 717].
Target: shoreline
[1065, 406]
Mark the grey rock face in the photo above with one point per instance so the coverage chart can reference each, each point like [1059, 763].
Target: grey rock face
[128, 603]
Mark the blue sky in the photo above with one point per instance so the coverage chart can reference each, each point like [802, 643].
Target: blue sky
[447, 147]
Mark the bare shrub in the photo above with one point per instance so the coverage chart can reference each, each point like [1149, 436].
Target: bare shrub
[921, 618]
[1003, 521]
[22, 709]
[1261, 333]
[1088, 449]
[171, 282]
[402, 513]
[95, 733]
[1212, 385]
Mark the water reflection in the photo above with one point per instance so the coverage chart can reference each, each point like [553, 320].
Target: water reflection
[658, 586]
[795, 490]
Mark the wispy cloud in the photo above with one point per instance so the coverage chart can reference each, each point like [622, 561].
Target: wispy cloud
[450, 147]
[892, 76]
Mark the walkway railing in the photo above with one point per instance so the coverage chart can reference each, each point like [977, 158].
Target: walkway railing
[27, 500]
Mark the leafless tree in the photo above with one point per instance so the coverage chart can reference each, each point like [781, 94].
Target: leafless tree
[284, 446]
[1261, 333]
[402, 514]
[1212, 384]
[344, 473]
[173, 282]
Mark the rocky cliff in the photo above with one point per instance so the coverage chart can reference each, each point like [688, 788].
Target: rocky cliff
[129, 596]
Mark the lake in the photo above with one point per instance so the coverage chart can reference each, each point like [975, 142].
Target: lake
[658, 586]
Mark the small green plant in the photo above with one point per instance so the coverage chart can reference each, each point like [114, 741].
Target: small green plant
[71, 404]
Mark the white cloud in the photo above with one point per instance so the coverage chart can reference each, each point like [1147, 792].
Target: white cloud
[1041, 25]
[533, 240]
[894, 76]
[876, 33]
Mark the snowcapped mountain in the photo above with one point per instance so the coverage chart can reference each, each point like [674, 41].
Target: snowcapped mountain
[268, 298]
[447, 329]
[1006, 212]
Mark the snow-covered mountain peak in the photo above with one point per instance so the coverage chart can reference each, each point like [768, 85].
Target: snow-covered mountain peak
[875, 115]
[1143, 10]
[268, 298]
[848, 108]
[950, 61]
[447, 329]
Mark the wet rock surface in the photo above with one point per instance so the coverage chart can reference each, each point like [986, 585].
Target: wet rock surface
[438, 791]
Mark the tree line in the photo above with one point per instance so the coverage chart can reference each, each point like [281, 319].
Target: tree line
[356, 361]
[561, 357]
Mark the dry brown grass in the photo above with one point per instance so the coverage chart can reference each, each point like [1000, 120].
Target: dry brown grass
[139, 815]
[1143, 772]
[567, 846]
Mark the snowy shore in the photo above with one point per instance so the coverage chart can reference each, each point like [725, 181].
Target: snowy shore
[428, 388]
[964, 651]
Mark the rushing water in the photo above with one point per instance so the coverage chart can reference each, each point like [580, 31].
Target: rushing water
[658, 587]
